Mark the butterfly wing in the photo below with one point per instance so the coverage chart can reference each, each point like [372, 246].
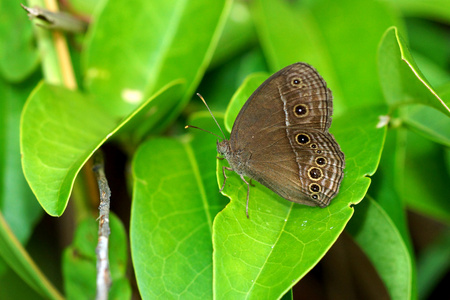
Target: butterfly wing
[280, 137]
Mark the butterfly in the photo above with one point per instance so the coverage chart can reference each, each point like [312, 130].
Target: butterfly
[281, 138]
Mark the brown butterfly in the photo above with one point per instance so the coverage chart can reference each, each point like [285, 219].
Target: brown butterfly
[280, 138]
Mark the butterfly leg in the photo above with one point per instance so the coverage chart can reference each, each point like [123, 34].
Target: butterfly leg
[224, 176]
[248, 193]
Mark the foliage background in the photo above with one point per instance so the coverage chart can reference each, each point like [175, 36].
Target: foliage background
[137, 68]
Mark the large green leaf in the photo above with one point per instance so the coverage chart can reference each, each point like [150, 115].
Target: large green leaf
[264, 256]
[401, 79]
[378, 236]
[135, 48]
[175, 199]
[60, 129]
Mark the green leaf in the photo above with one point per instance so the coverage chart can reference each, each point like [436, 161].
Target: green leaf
[429, 122]
[239, 21]
[288, 296]
[428, 38]
[379, 238]
[135, 48]
[60, 129]
[435, 73]
[18, 259]
[79, 261]
[388, 211]
[386, 188]
[17, 202]
[15, 288]
[18, 55]
[423, 177]
[400, 78]
[307, 31]
[264, 256]
[432, 9]
[86, 7]
[175, 199]
[233, 73]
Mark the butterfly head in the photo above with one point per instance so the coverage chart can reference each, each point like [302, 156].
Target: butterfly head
[224, 148]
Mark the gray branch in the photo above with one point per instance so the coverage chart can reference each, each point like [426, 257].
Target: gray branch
[103, 272]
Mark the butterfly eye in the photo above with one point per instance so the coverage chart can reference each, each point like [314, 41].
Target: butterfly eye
[297, 82]
[302, 138]
[300, 110]
[314, 188]
[315, 174]
[321, 161]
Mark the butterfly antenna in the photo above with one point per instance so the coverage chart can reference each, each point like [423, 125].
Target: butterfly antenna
[190, 126]
[204, 102]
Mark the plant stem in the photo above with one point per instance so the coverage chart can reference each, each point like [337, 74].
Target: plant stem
[103, 272]
[56, 63]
